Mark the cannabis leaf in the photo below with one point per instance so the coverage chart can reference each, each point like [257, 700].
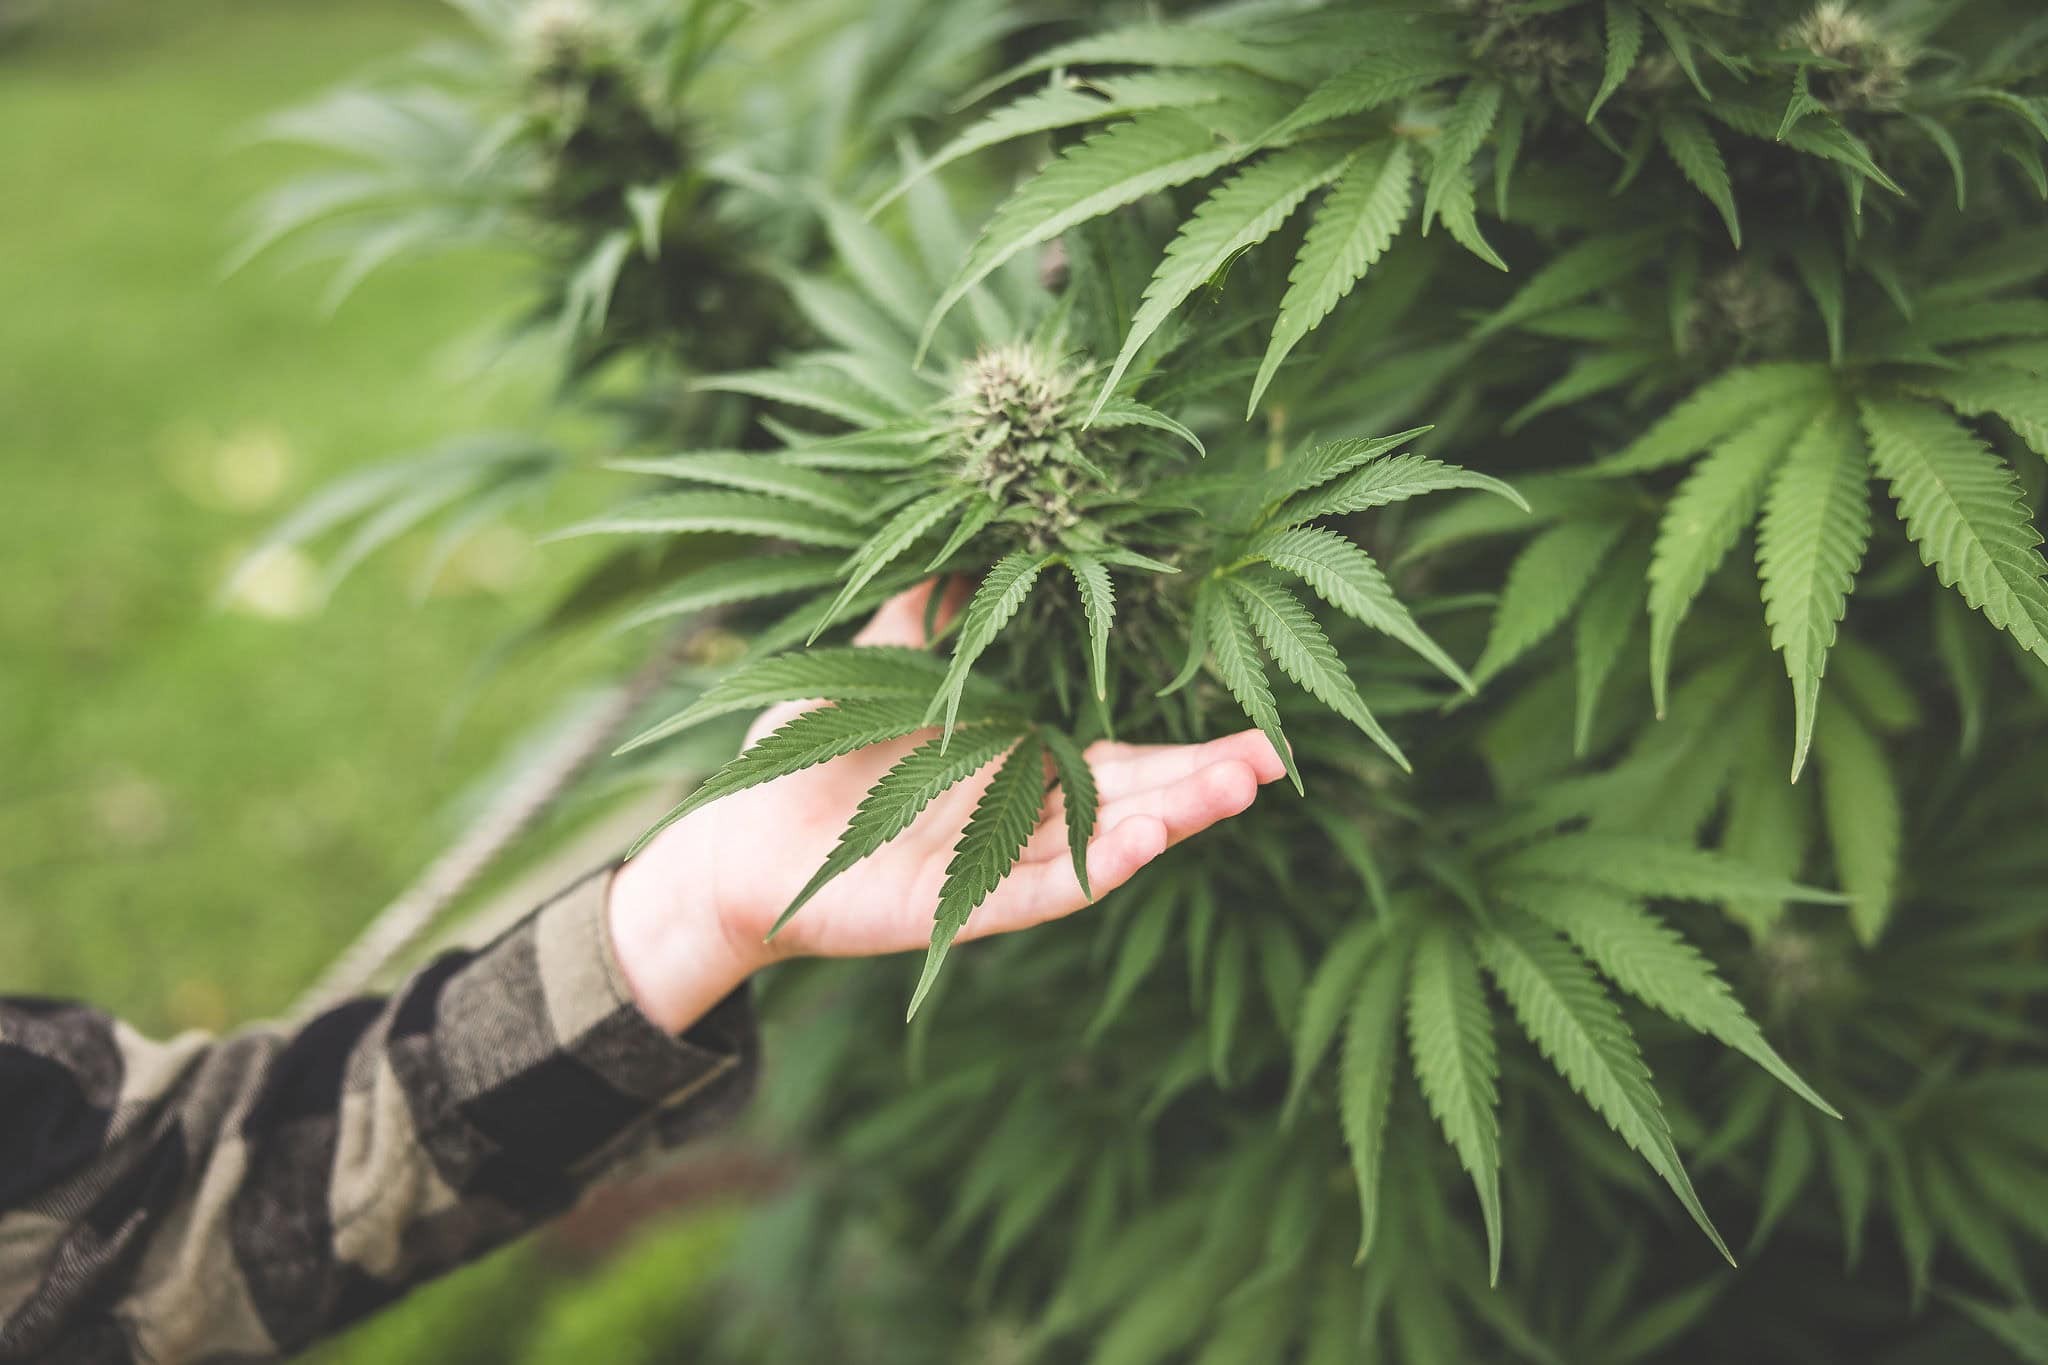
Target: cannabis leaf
[1457, 141]
[1710, 509]
[1697, 156]
[1324, 1004]
[1652, 867]
[1576, 1026]
[748, 579]
[894, 802]
[989, 847]
[1243, 212]
[1713, 411]
[1098, 601]
[1649, 960]
[988, 611]
[1347, 578]
[747, 514]
[1861, 808]
[1385, 482]
[1963, 509]
[1228, 635]
[1808, 547]
[1353, 227]
[1624, 43]
[815, 737]
[1120, 165]
[1304, 654]
[883, 548]
[1544, 583]
[1451, 1037]
[1366, 1081]
[858, 673]
[1078, 796]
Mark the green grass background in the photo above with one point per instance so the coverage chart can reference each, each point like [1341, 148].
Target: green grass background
[198, 807]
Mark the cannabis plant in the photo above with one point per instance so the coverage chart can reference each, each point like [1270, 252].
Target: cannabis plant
[1596, 440]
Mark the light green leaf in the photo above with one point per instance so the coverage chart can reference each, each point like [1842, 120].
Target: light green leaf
[1001, 593]
[1078, 796]
[883, 548]
[1450, 1035]
[1352, 228]
[1238, 215]
[1221, 621]
[2020, 399]
[989, 847]
[741, 580]
[1098, 602]
[848, 674]
[1652, 867]
[1702, 521]
[755, 473]
[1649, 960]
[1068, 105]
[1715, 410]
[745, 514]
[1624, 45]
[814, 737]
[1461, 218]
[1347, 578]
[1378, 78]
[1120, 165]
[1319, 464]
[1457, 141]
[1143, 943]
[1543, 585]
[1365, 1082]
[1697, 156]
[1576, 1026]
[1860, 807]
[1150, 44]
[1820, 270]
[1963, 509]
[1304, 653]
[1574, 273]
[1612, 605]
[1385, 482]
[1594, 372]
[894, 803]
[873, 261]
[1112, 413]
[1324, 1003]
[1809, 544]
[815, 387]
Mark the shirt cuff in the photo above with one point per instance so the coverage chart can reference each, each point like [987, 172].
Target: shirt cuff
[600, 1069]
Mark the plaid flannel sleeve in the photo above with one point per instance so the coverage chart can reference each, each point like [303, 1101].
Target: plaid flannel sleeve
[204, 1200]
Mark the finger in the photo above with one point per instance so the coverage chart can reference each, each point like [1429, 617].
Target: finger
[1186, 807]
[900, 620]
[1044, 891]
[1122, 769]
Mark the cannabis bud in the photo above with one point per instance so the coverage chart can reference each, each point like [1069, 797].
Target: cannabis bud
[1872, 71]
[1019, 431]
[561, 40]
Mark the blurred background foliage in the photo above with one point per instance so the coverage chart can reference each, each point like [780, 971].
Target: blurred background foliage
[201, 801]
[198, 807]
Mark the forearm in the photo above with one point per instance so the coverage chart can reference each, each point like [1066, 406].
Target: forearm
[244, 1196]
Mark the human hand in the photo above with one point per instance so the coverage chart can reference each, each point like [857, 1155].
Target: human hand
[691, 911]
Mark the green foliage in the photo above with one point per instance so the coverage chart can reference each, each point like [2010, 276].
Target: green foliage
[1763, 261]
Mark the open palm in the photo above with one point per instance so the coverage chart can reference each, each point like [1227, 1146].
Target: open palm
[757, 848]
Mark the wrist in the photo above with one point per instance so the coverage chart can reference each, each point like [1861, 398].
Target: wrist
[672, 946]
